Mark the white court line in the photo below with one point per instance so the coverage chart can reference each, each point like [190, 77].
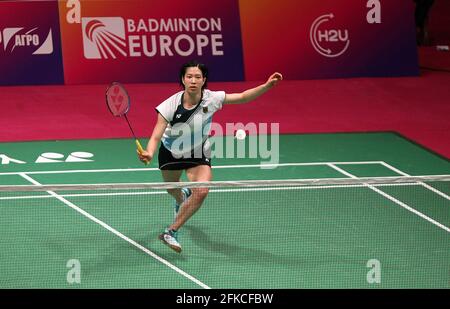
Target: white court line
[421, 183]
[117, 233]
[393, 199]
[25, 197]
[143, 169]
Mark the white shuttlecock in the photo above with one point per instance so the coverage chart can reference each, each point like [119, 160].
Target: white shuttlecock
[240, 134]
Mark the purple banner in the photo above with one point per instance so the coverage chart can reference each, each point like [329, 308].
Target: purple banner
[30, 45]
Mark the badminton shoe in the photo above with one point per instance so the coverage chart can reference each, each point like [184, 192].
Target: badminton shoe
[169, 238]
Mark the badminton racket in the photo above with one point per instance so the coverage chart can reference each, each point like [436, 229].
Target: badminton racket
[118, 102]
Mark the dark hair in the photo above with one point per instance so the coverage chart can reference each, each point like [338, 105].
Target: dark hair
[194, 64]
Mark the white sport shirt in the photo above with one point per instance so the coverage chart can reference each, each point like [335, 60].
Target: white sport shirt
[188, 129]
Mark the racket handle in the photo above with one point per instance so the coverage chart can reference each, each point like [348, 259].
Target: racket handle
[139, 146]
[140, 149]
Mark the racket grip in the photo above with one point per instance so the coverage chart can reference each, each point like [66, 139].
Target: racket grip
[139, 146]
[140, 149]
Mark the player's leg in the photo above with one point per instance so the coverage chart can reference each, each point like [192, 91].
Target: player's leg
[199, 173]
[179, 194]
[173, 176]
[189, 206]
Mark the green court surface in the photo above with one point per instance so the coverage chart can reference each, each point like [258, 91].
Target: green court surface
[321, 237]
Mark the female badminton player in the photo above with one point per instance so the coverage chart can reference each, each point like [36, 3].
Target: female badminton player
[182, 127]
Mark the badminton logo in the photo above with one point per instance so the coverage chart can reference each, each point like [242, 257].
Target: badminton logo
[39, 42]
[330, 43]
[103, 37]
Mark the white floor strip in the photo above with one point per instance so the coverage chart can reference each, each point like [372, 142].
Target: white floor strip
[144, 169]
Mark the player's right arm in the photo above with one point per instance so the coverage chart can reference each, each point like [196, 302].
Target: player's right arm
[154, 140]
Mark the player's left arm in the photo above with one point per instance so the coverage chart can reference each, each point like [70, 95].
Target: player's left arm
[253, 93]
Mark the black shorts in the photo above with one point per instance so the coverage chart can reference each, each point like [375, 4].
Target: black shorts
[168, 162]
